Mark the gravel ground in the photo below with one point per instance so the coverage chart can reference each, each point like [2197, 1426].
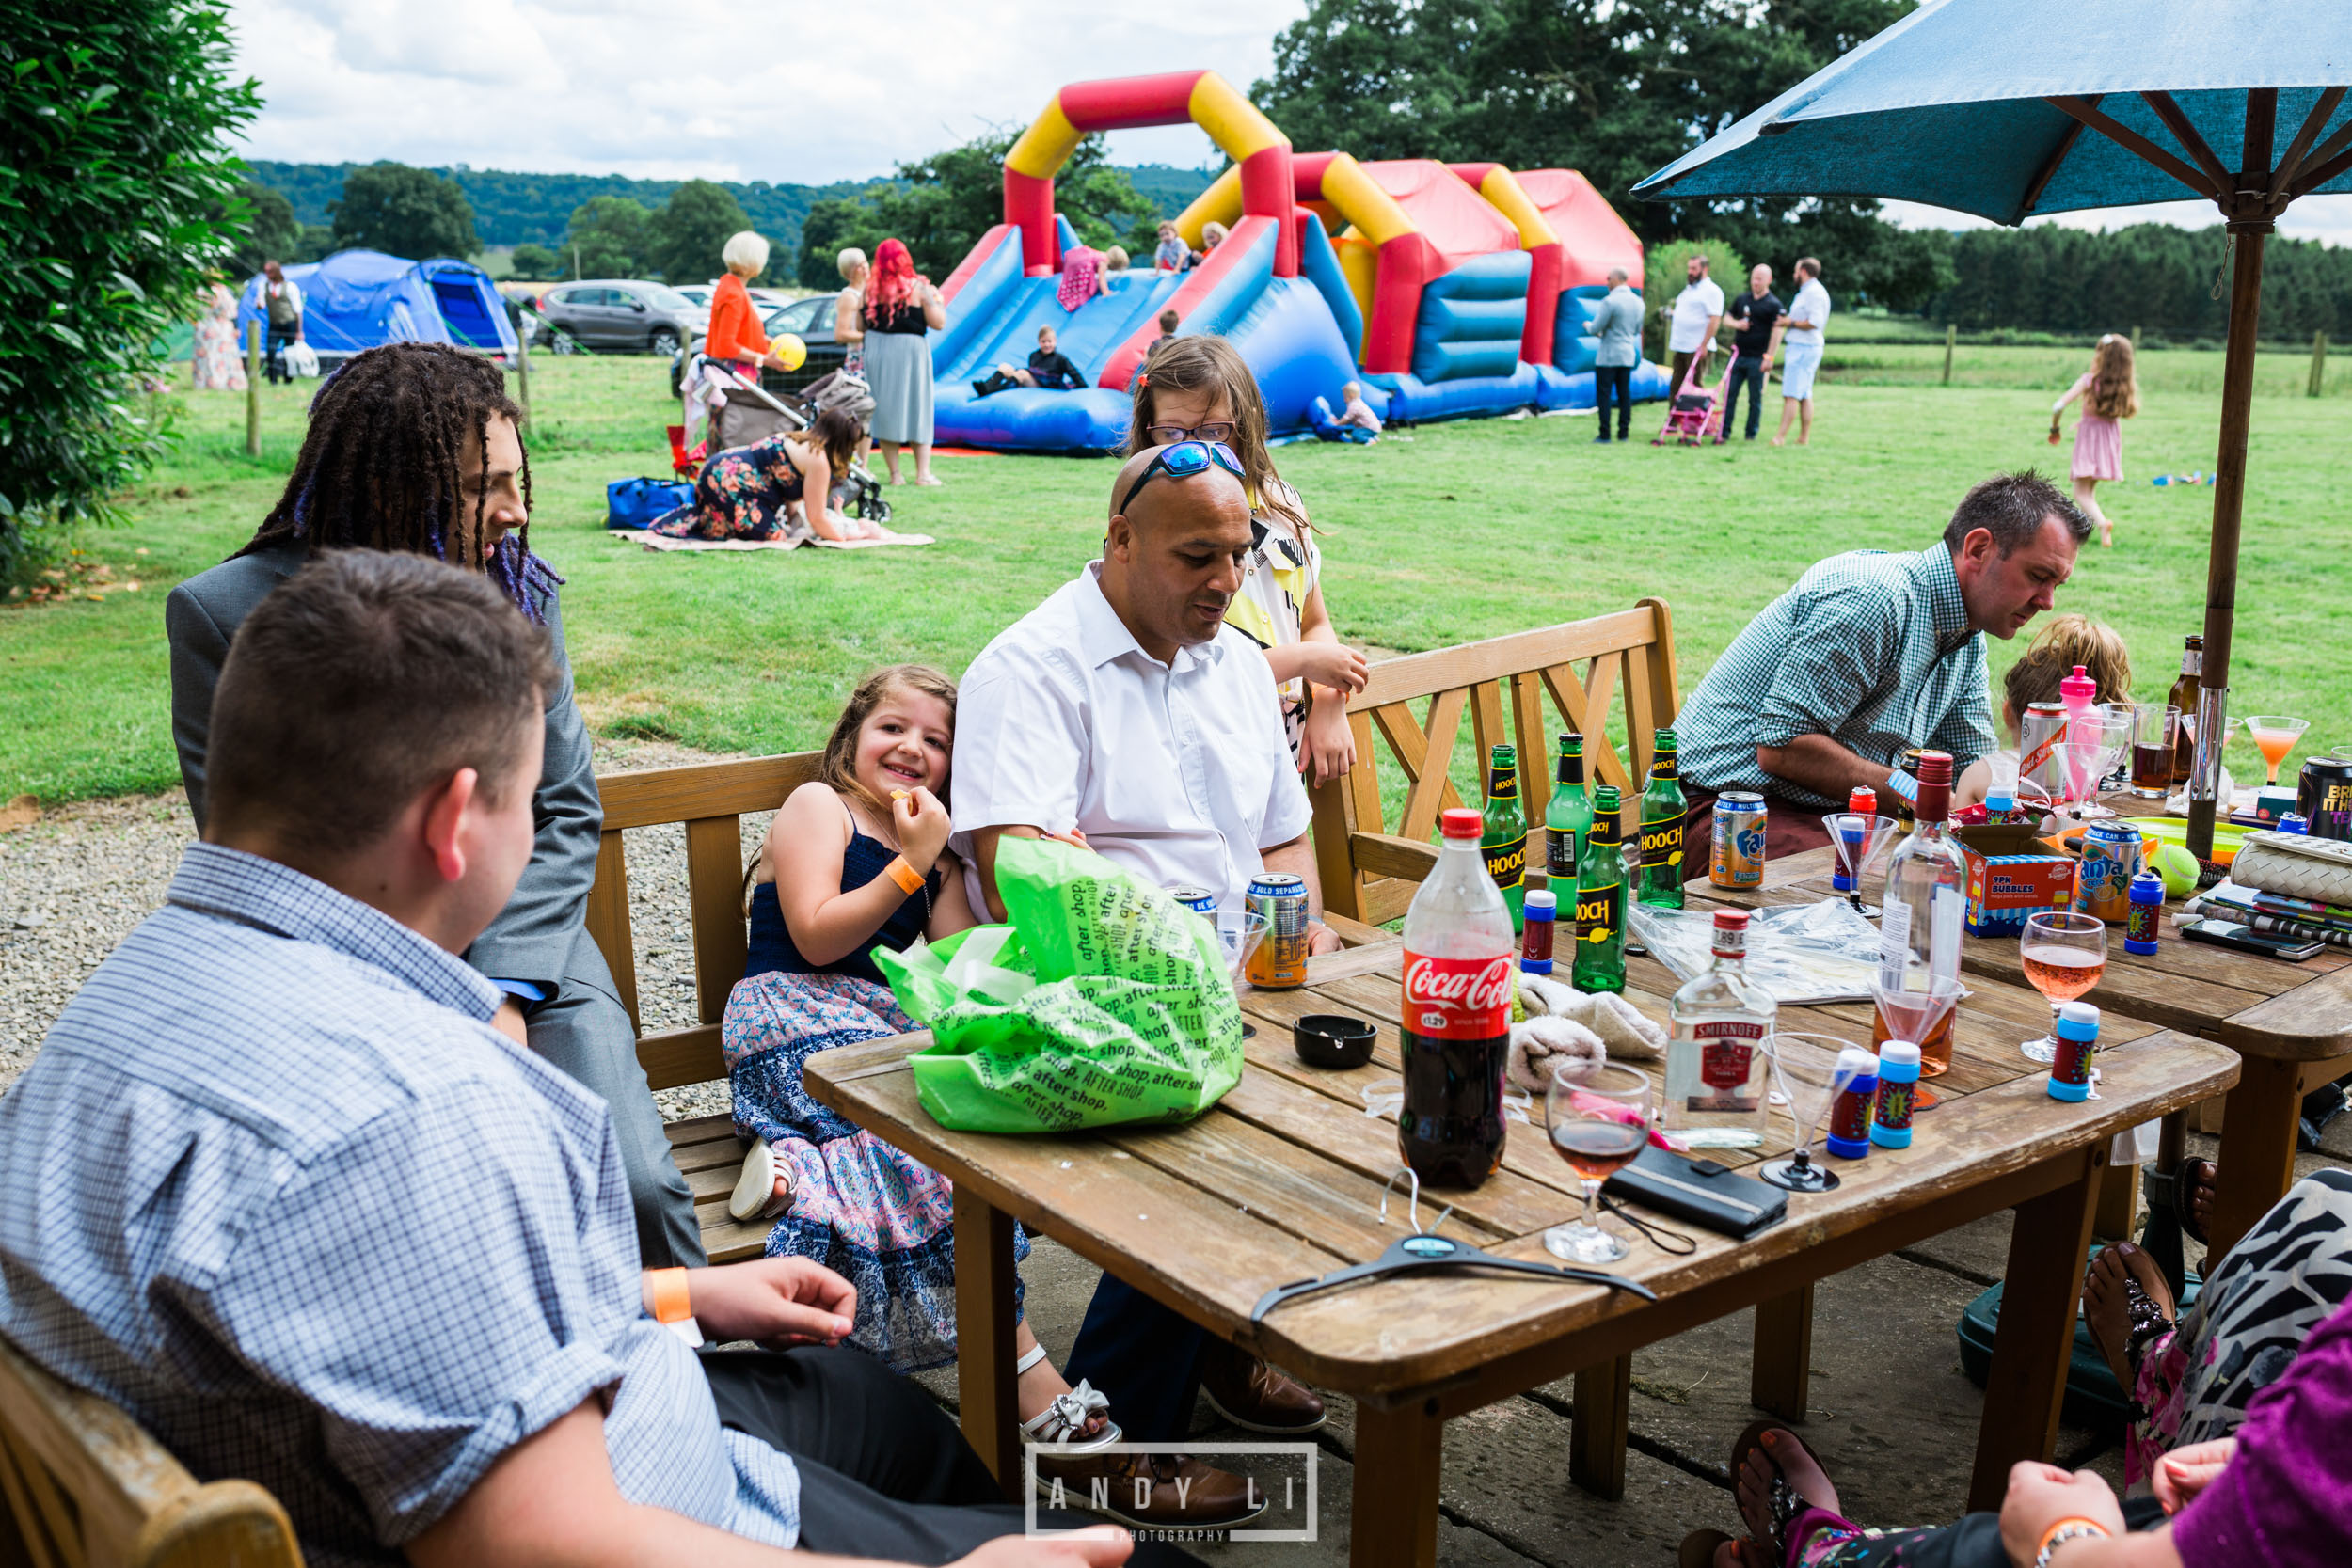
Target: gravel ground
[74, 883]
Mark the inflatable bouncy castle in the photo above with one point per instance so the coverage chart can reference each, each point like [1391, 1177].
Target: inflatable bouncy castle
[1446, 290]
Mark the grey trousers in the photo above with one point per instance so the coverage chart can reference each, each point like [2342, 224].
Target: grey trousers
[583, 1030]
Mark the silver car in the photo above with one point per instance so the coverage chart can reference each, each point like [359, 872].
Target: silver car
[625, 313]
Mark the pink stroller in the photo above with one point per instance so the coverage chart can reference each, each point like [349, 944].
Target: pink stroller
[1696, 413]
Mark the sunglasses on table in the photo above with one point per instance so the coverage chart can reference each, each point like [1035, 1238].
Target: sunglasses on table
[1182, 461]
[1220, 432]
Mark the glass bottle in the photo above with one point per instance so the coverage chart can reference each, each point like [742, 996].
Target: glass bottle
[2183, 696]
[1503, 833]
[1924, 904]
[1716, 1066]
[1600, 899]
[1662, 810]
[1567, 821]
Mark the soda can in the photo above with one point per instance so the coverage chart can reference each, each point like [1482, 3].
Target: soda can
[2112, 856]
[1281, 962]
[1200, 900]
[1738, 857]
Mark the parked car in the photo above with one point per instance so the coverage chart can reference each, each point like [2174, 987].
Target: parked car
[625, 313]
[697, 294]
[810, 321]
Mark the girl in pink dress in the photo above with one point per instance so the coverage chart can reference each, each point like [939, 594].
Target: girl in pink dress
[2110, 393]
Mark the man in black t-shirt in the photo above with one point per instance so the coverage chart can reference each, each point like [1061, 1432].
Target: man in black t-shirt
[1049, 370]
[1755, 319]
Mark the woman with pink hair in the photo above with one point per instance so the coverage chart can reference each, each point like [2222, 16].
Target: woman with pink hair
[901, 306]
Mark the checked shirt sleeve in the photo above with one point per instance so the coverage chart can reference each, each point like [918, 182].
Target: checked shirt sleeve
[1841, 640]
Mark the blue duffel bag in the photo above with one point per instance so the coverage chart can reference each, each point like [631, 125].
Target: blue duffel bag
[636, 502]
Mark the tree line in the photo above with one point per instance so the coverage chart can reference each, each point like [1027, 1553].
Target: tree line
[2150, 275]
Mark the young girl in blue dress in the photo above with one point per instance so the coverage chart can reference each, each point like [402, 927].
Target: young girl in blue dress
[856, 860]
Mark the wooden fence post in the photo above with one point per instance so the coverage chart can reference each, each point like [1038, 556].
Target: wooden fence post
[1951, 337]
[2319, 364]
[253, 389]
[2135, 343]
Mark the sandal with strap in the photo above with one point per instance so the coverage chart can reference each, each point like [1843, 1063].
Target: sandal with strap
[755, 1196]
[1063, 1421]
[1784, 1503]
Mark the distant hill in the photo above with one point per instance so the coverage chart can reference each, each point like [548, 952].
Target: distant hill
[512, 209]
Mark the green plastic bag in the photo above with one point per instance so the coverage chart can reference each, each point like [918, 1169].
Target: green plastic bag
[1102, 1002]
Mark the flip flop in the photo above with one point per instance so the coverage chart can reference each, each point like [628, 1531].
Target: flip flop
[1784, 1503]
[2190, 1174]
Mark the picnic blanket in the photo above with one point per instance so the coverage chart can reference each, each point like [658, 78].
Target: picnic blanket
[789, 542]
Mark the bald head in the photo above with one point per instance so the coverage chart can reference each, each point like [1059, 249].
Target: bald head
[1174, 554]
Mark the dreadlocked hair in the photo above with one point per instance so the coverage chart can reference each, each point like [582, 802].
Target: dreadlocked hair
[380, 468]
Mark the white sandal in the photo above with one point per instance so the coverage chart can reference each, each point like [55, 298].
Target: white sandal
[755, 1196]
[1063, 1422]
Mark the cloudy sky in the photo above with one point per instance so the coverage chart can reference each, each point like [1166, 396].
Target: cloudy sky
[809, 92]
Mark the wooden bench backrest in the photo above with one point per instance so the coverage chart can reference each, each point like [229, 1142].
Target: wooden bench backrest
[710, 798]
[1369, 873]
[87, 1487]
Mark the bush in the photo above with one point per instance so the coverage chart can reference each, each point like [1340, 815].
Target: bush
[409, 213]
[534, 264]
[116, 191]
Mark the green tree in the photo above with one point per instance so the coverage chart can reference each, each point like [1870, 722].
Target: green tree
[404, 211]
[683, 239]
[114, 191]
[1665, 269]
[832, 227]
[607, 234]
[316, 244]
[534, 262]
[270, 229]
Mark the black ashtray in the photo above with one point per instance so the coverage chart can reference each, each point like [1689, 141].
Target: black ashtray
[1332, 1041]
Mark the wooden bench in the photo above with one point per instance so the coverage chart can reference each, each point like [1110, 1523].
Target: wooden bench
[1370, 874]
[87, 1488]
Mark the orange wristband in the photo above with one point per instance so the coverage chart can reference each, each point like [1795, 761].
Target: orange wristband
[670, 1301]
[908, 879]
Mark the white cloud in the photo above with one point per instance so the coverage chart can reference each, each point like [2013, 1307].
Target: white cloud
[807, 93]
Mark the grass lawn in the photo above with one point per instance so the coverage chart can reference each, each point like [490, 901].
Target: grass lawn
[1470, 529]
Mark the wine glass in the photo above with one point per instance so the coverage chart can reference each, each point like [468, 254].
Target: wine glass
[1856, 839]
[1238, 933]
[2274, 735]
[1805, 1068]
[1598, 1119]
[2064, 955]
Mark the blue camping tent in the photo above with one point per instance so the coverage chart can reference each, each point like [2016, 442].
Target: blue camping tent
[359, 299]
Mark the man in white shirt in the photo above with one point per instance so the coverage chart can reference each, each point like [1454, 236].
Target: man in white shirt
[1124, 706]
[1808, 312]
[1698, 312]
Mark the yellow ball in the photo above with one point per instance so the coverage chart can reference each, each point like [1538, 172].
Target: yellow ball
[789, 349]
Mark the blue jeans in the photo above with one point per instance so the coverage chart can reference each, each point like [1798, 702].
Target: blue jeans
[1144, 1356]
[1745, 372]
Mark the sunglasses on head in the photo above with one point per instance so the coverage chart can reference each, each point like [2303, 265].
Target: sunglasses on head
[1182, 461]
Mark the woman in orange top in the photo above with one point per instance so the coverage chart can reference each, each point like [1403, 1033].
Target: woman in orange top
[734, 335]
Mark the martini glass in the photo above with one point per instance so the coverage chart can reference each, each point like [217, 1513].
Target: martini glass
[1856, 839]
[1805, 1068]
[1913, 1008]
[2064, 954]
[2096, 743]
[1238, 932]
[2275, 735]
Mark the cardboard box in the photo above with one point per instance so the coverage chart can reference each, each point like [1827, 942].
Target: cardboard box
[2012, 873]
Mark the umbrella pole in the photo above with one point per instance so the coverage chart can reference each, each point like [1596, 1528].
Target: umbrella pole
[2229, 499]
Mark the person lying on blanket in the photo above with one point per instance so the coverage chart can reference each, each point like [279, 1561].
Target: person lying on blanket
[763, 492]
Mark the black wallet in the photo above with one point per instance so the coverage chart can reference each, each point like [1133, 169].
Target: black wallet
[1700, 1191]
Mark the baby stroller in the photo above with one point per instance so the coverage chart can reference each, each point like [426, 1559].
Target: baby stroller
[744, 413]
[1696, 413]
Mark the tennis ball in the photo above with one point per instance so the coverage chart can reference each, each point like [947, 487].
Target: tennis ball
[789, 349]
[2178, 867]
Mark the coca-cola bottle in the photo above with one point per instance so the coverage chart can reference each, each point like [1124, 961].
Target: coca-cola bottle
[1459, 974]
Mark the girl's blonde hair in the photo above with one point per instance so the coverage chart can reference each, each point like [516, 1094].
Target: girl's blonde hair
[2066, 641]
[1203, 362]
[2114, 387]
[839, 768]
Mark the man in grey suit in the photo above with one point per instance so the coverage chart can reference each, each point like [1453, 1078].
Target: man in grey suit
[413, 447]
[1617, 323]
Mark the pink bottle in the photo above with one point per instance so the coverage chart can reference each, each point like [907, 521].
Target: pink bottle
[2076, 691]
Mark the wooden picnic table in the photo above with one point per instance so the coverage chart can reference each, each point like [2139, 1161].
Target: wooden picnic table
[1281, 1182]
[2290, 1022]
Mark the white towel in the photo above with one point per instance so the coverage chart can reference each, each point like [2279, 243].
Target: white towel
[1543, 1042]
[1617, 1023]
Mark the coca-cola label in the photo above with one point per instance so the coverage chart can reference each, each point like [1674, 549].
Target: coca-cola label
[1458, 999]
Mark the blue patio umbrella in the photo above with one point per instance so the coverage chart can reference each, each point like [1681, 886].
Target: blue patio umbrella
[2007, 108]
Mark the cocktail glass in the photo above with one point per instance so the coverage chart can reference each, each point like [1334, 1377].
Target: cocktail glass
[2096, 743]
[2064, 954]
[1805, 1068]
[1856, 839]
[2275, 735]
[1238, 932]
[1913, 1008]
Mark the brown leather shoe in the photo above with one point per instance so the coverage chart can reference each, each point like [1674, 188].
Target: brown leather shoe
[1154, 1491]
[1253, 1396]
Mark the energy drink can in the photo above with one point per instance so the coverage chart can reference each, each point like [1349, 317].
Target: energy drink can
[1281, 962]
[1200, 900]
[1738, 853]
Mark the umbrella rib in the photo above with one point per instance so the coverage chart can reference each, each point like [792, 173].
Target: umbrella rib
[2132, 142]
[2300, 147]
[2049, 170]
[2186, 134]
[2320, 176]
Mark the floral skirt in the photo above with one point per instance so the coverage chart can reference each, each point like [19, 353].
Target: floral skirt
[879, 1218]
[742, 493]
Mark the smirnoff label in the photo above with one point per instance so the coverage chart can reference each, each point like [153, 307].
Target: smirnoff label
[1728, 1048]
